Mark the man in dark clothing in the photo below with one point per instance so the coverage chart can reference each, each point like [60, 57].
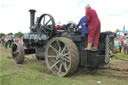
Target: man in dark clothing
[10, 42]
[125, 45]
[2, 41]
[6, 42]
[94, 28]
[84, 28]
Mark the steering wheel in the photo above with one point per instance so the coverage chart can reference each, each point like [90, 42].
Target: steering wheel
[46, 26]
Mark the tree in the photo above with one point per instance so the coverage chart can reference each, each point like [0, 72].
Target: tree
[2, 34]
[10, 33]
[117, 30]
[108, 31]
[19, 34]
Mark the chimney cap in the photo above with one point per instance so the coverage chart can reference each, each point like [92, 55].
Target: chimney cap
[32, 10]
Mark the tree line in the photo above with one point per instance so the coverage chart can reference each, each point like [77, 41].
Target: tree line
[19, 34]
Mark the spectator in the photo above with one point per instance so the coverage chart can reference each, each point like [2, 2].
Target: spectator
[2, 41]
[124, 45]
[120, 44]
[10, 42]
[127, 45]
[6, 42]
[117, 44]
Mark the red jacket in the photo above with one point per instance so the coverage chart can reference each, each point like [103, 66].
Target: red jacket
[92, 18]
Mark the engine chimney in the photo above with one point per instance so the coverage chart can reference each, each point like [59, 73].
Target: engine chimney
[32, 17]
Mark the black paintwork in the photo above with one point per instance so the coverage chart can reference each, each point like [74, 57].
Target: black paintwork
[34, 40]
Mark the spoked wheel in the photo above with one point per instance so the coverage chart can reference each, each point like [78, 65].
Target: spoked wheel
[62, 56]
[18, 53]
[46, 26]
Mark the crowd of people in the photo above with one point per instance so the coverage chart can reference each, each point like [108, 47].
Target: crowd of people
[8, 41]
[122, 43]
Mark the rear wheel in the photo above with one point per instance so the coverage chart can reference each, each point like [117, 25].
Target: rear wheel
[17, 53]
[62, 56]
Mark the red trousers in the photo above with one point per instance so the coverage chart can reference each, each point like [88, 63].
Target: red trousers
[94, 33]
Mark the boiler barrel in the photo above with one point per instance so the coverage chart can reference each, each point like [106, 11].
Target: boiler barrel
[33, 39]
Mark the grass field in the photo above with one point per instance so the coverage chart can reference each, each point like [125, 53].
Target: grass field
[121, 55]
[35, 72]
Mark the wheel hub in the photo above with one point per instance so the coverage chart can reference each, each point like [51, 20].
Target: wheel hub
[60, 57]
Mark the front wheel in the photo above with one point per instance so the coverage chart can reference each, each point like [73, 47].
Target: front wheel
[18, 53]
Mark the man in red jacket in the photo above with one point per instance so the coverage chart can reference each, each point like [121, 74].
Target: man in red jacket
[94, 28]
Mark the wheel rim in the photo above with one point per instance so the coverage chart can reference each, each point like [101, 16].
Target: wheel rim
[58, 57]
[46, 26]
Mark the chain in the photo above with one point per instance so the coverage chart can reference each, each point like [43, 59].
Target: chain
[107, 53]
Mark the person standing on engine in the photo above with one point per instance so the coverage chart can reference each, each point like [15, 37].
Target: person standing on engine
[93, 27]
[84, 28]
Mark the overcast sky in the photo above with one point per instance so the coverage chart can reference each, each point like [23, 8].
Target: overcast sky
[14, 15]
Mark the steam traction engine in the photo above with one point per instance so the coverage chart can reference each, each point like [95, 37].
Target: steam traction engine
[61, 49]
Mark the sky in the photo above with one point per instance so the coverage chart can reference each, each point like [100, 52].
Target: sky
[14, 15]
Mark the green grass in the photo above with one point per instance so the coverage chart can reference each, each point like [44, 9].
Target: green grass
[30, 74]
[121, 55]
[35, 72]
[29, 77]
